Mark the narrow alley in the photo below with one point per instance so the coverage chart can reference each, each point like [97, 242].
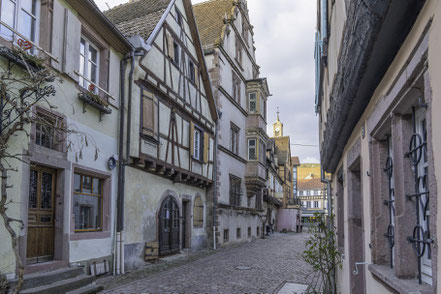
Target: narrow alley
[262, 266]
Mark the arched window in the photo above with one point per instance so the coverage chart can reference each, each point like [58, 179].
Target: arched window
[198, 212]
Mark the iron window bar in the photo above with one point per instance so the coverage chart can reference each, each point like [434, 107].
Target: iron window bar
[420, 238]
[26, 39]
[96, 85]
[390, 233]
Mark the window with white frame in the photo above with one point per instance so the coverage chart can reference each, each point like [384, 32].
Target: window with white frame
[197, 144]
[89, 65]
[316, 204]
[22, 16]
[308, 204]
[252, 149]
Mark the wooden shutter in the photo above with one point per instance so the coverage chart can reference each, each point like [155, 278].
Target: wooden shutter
[114, 77]
[148, 113]
[57, 44]
[191, 139]
[170, 45]
[206, 145]
[73, 39]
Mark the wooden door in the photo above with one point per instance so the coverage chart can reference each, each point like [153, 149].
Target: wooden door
[184, 223]
[41, 224]
[169, 227]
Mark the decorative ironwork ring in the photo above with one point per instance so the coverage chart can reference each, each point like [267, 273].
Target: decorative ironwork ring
[416, 148]
[418, 244]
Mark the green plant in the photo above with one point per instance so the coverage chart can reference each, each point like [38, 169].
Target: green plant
[95, 98]
[34, 60]
[3, 284]
[321, 251]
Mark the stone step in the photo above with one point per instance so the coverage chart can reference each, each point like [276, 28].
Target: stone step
[89, 289]
[44, 278]
[62, 286]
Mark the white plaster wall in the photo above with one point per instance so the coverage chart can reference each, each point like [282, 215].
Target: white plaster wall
[144, 192]
[228, 166]
[232, 221]
[107, 146]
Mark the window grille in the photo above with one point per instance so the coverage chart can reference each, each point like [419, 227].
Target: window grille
[391, 202]
[235, 191]
[417, 155]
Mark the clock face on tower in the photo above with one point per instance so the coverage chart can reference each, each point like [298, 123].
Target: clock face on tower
[277, 130]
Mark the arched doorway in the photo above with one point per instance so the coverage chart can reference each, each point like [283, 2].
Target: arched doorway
[169, 227]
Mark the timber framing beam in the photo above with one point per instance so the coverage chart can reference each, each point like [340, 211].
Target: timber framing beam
[170, 172]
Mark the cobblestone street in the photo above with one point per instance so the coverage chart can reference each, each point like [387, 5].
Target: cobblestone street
[262, 266]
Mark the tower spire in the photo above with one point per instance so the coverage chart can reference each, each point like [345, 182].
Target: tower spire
[278, 126]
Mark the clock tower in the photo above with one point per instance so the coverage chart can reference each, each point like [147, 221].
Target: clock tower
[278, 126]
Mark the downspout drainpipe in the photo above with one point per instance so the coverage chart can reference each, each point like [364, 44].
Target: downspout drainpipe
[330, 222]
[215, 182]
[118, 266]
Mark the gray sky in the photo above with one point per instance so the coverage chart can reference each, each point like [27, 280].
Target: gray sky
[284, 38]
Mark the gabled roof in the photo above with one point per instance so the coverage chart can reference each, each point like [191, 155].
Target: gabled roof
[210, 17]
[312, 184]
[138, 17]
[144, 17]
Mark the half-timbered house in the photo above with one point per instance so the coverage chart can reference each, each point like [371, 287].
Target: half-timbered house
[170, 139]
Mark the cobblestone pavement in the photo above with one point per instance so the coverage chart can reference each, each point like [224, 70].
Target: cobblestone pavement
[266, 265]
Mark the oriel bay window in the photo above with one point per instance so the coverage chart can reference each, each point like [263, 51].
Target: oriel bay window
[252, 149]
[22, 16]
[88, 203]
[252, 102]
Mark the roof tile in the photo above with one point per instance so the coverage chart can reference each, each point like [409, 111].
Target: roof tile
[138, 17]
[210, 19]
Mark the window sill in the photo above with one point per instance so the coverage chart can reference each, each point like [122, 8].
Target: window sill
[89, 99]
[149, 139]
[13, 57]
[387, 276]
[89, 235]
[198, 160]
